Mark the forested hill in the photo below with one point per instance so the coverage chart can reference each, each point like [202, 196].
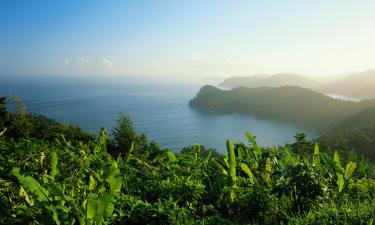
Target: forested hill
[357, 131]
[289, 103]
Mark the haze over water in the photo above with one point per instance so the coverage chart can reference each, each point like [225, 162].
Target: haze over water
[159, 111]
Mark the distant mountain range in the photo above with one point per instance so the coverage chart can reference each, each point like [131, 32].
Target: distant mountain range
[276, 80]
[359, 85]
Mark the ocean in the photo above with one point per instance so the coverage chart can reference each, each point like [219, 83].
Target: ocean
[159, 111]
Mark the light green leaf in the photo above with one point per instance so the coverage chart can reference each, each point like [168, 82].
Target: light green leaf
[92, 183]
[252, 141]
[105, 207]
[171, 156]
[31, 185]
[241, 153]
[116, 185]
[54, 169]
[316, 156]
[130, 152]
[231, 161]
[92, 207]
[247, 170]
[220, 167]
[349, 170]
[268, 165]
[340, 182]
[336, 158]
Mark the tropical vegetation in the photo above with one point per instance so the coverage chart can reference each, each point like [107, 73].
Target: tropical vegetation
[52, 173]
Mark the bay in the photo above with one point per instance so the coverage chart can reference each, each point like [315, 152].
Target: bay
[160, 111]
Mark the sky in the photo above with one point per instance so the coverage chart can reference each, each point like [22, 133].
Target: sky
[185, 40]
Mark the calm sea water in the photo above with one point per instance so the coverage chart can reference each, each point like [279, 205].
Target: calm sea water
[159, 111]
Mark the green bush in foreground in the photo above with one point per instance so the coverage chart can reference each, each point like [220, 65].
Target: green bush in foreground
[67, 181]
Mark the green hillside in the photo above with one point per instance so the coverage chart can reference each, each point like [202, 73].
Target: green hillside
[357, 131]
[294, 104]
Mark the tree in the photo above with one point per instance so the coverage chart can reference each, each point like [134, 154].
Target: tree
[20, 108]
[3, 108]
[301, 145]
[4, 114]
[124, 134]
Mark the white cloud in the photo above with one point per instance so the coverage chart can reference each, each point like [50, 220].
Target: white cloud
[198, 57]
[67, 61]
[83, 61]
[107, 63]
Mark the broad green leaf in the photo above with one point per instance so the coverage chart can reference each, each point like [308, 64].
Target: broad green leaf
[54, 169]
[225, 160]
[56, 191]
[231, 161]
[171, 156]
[332, 164]
[130, 152]
[220, 167]
[316, 156]
[339, 172]
[247, 170]
[31, 185]
[336, 158]
[240, 153]
[231, 189]
[111, 172]
[116, 185]
[91, 207]
[349, 170]
[92, 183]
[340, 182]
[105, 207]
[26, 196]
[253, 142]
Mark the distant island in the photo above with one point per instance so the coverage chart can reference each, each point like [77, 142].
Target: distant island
[359, 85]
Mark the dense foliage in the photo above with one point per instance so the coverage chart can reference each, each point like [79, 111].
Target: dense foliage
[127, 180]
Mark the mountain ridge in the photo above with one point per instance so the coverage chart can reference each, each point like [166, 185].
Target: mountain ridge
[358, 85]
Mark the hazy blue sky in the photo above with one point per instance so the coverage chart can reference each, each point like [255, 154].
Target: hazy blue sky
[185, 40]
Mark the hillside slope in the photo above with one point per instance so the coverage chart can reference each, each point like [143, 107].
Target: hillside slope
[357, 131]
[289, 103]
